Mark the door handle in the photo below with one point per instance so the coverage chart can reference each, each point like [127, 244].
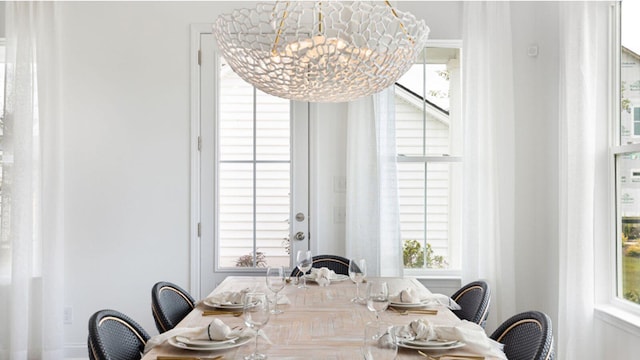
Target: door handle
[299, 236]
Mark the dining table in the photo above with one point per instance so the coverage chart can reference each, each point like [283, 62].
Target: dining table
[319, 322]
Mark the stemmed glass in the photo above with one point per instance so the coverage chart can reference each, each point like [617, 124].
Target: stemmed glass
[379, 341]
[357, 273]
[256, 315]
[275, 282]
[304, 260]
[377, 297]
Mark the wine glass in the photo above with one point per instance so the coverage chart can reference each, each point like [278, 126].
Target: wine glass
[275, 282]
[256, 315]
[304, 260]
[377, 297]
[357, 273]
[379, 342]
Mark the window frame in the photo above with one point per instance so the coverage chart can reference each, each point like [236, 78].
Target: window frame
[610, 307]
[451, 158]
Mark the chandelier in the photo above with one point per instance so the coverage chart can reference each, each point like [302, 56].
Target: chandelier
[327, 51]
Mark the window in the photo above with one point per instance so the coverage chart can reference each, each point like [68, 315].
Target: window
[626, 158]
[253, 175]
[428, 137]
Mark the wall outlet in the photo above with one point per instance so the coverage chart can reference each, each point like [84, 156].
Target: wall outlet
[68, 315]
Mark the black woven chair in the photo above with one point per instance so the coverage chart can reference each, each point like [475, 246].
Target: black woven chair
[336, 263]
[474, 299]
[113, 335]
[526, 336]
[169, 305]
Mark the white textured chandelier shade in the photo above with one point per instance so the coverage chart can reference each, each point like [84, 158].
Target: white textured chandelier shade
[320, 51]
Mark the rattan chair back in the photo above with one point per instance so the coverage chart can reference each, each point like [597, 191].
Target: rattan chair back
[113, 335]
[169, 305]
[526, 336]
[474, 300]
[338, 264]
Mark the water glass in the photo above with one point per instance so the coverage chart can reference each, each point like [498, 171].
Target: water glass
[275, 279]
[379, 342]
[304, 261]
[256, 315]
[377, 297]
[357, 274]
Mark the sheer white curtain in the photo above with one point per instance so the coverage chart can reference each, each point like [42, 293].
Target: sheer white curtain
[583, 155]
[488, 189]
[32, 258]
[372, 222]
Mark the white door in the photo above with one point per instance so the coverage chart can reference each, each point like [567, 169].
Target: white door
[253, 174]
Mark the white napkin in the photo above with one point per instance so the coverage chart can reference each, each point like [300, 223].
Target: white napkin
[410, 296]
[216, 330]
[322, 275]
[228, 297]
[472, 334]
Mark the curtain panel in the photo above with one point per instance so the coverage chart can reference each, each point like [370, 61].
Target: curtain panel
[373, 215]
[583, 115]
[31, 318]
[488, 234]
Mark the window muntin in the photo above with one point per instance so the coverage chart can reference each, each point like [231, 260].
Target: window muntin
[428, 144]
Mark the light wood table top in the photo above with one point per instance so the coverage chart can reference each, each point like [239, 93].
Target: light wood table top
[320, 322]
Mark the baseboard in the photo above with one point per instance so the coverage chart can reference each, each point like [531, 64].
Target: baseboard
[76, 351]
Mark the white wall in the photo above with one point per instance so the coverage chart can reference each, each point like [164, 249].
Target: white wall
[125, 91]
[535, 24]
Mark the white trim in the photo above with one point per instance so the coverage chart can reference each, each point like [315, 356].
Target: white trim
[618, 318]
[428, 159]
[194, 216]
[76, 351]
[623, 149]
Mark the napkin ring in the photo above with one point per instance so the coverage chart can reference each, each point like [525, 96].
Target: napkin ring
[209, 332]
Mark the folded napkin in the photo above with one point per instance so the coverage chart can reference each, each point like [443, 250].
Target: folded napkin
[216, 330]
[472, 334]
[410, 296]
[322, 275]
[228, 297]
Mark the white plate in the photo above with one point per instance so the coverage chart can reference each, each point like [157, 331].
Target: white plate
[335, 278]
[203, 343]
[222, 306]
[408, 305]
[213, 345]
[417, 346]
[430, 343]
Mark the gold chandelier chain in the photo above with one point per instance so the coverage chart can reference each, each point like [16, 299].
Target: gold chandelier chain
[320, 19]
[404, 30]
[280, 26]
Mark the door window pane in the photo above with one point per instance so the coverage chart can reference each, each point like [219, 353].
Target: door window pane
[254, 176]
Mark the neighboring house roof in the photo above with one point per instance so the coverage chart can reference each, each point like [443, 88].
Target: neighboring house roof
[416, 100]
[630, 52]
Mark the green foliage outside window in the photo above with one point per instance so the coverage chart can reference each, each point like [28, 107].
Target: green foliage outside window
[631, 259]
[247, 260]
[414, 256]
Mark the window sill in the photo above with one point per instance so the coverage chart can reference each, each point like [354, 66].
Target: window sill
[433, 274]
[620, 318]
